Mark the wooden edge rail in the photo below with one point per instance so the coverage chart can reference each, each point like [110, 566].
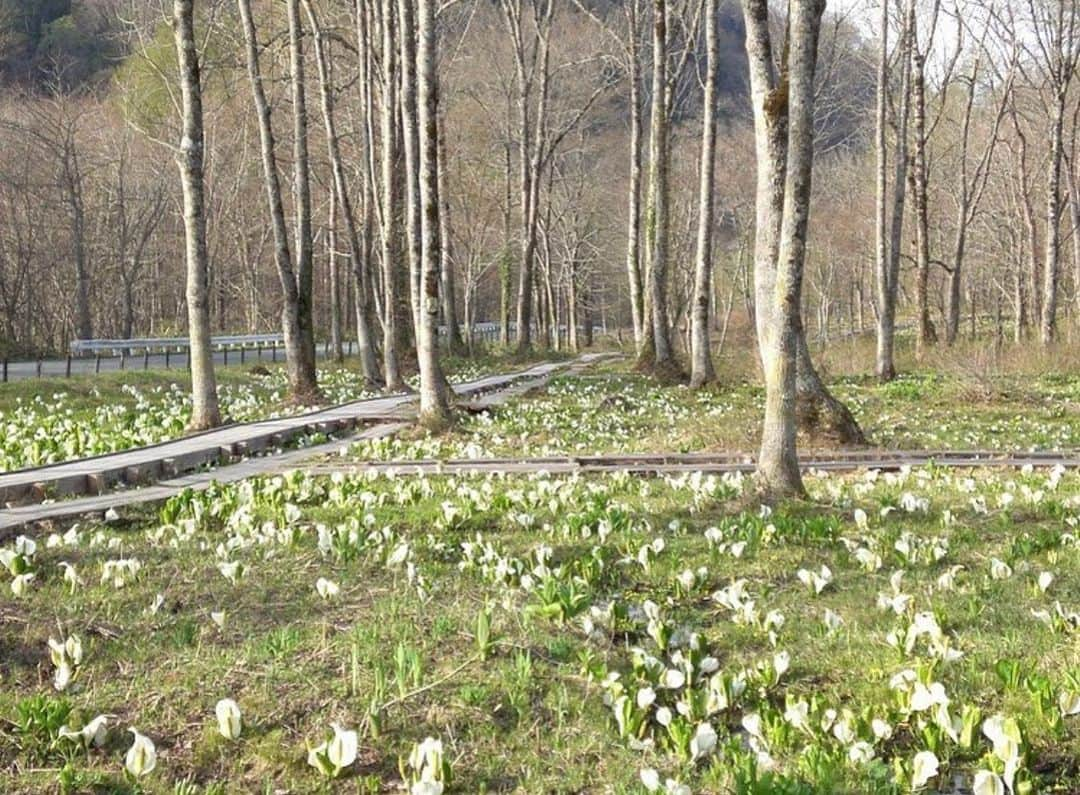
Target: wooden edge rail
[665, 463]
[643, 465]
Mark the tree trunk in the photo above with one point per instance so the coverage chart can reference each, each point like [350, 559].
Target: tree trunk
[205, 412]
[572, 343]
[506, 285]
[1052, 267]
[783, 124]
[391, 333]
[888, 276]
[657, 215]
[411, 143]
[335, 280]
[434, 392]
[447, 278]
[701, 367]
[1074, 217]
[633, 234]
[341, 199]
[300, 361]
[952, 313]
[306, 378]
[924, 334]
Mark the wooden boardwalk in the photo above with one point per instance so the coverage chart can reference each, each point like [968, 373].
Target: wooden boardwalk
[169, 460]
[676, 463]
[13, 518]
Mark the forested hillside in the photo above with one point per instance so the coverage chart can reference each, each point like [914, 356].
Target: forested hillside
[58, 43]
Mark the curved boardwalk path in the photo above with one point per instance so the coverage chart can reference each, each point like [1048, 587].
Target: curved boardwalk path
[169, 460]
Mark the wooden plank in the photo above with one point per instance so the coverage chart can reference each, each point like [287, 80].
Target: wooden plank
[177, 456]
[21, 517]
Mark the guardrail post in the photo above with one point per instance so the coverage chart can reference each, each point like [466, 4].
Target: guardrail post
[67, 367]
[225, 351]
[123, 359]
[39, 368]
[242, 351]
[5, 369]
[97, 363]
[258, 351]
[146, 360]
[166, 358]
[273, 352]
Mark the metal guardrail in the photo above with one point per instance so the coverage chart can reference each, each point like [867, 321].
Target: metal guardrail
[84, 347]
[155, 354]
[91, 357]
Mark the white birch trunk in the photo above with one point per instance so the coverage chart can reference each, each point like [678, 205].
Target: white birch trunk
[701, 367]
[434, 393]
[205, 412]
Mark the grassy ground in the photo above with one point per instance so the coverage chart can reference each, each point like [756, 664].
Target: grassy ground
[46, 421]
[563, 570]
[577, 635]
[613, 409]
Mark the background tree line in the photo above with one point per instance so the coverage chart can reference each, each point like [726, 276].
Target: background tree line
[570, 138]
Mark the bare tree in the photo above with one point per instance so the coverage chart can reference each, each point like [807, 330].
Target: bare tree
[296, 283]
[410, 138]
[434, 392]
[973, 177]
[783, 106]
[392, 331]
[342, 200]
[658, 352]
[701, 368]
[532, 65]
[204, 410]
[888, 263]
[447, 277]
[633, 235]
[1055, 53]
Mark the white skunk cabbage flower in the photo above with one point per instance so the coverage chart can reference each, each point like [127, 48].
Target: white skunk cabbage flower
[141, 757]
[228, 718]
[703, 741]
[327, 589]
[923, 768]
[93, 733]
[430, 771]
[1069, 703]
[336, 754]
[71, 577]
[66, 657]
[20, 584]
[231, 570]
[987, 783]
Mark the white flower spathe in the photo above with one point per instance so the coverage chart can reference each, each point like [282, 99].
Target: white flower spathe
[229, 721]
[141, 758]
[923, 768]
[326, 588]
